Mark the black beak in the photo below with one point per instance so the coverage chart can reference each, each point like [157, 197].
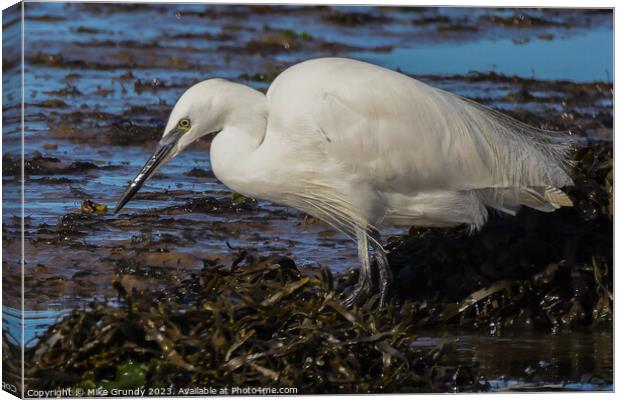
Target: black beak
[161, 155]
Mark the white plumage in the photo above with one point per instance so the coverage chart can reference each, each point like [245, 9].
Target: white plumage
[362, 147]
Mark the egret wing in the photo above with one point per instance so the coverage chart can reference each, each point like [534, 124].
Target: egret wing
[403, 136]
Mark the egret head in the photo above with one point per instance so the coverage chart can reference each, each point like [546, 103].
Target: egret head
[201, 111]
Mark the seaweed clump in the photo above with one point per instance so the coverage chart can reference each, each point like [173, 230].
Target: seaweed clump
[254, 323]
[41, 165]
[519, 20]
[353, 18]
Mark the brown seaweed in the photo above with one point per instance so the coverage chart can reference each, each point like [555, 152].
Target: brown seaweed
[256, 322]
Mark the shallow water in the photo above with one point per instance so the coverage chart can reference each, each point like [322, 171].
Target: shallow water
[533, 361]
[35, 323]
[561, 58]
[107, 72]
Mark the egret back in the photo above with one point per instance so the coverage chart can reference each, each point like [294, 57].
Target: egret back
[404, 136]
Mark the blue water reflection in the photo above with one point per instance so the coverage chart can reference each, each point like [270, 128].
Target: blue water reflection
[582, 58]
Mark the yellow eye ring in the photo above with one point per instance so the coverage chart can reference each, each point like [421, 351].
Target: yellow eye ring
[184, 123]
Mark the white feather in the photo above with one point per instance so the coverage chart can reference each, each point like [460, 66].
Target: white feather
[414, 153]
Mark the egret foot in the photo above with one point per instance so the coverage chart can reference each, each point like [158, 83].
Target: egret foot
[364, 286]
[369, 271]
[385, 278]
[361, 291]
[383, 265]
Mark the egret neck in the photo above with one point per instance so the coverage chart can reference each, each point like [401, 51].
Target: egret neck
[234, 157]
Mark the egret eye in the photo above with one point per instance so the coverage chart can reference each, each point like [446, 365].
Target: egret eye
[184, 123]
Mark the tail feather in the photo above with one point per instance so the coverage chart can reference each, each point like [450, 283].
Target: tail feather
[557, 197]
[509, 200]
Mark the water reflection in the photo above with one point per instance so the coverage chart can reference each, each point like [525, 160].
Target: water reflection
[581, 58]
[578, 360]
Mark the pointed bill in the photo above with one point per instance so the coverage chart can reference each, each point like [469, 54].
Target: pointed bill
[161, 155]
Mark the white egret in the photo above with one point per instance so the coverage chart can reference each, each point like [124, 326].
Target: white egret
[361, 147]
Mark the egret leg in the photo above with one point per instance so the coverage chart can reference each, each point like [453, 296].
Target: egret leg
[385, 272]
[364, 285]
